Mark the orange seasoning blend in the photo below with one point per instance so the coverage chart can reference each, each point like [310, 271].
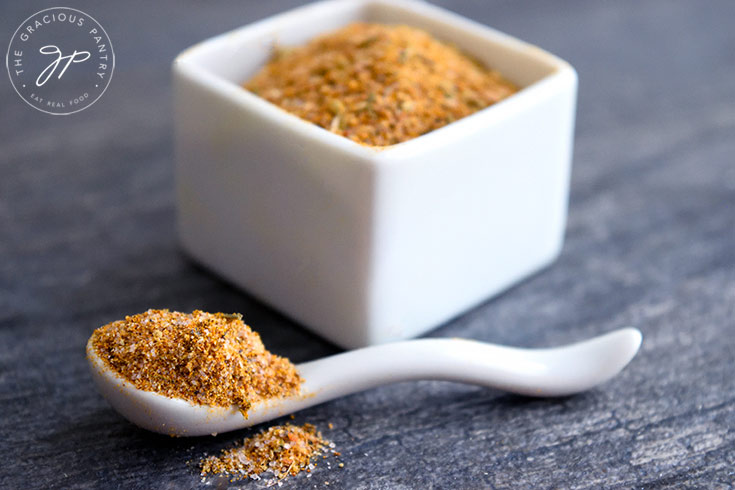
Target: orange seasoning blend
[205, 358]
[282, 450]
[378, 84]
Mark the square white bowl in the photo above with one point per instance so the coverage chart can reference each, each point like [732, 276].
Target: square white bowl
[368, 245]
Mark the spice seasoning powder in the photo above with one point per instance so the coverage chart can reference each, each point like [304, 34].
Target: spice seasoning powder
[282, 451]
[206, 358]
[378, 84]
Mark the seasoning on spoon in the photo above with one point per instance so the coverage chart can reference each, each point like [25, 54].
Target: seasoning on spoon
[378, 84]
[206, 358]
[282, 450]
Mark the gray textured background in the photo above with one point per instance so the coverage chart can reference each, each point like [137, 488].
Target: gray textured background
[87, 235]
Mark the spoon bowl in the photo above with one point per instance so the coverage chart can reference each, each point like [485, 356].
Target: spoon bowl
[557, 371]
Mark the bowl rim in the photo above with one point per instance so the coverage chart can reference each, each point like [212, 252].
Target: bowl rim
[562, 73]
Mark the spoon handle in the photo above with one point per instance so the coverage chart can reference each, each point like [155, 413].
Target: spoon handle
[558, 371]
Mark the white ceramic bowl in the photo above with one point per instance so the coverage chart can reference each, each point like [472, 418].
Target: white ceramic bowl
[366, 245]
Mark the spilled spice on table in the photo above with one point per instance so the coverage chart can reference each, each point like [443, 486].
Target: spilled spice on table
[378, 84]
[206, 358]
[272, 455]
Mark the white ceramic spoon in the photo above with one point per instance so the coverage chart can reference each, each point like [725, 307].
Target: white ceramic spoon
[558, 371]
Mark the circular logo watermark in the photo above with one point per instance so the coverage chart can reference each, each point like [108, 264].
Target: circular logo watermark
[60, 60]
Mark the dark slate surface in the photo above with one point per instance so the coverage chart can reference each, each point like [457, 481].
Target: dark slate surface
[87, 235]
